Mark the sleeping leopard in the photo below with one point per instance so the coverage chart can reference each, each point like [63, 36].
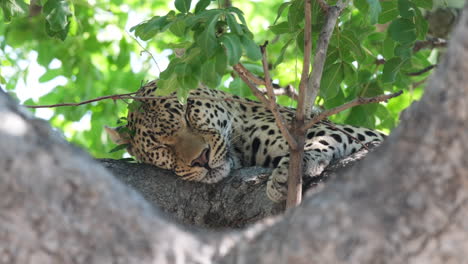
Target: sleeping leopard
[216, 132]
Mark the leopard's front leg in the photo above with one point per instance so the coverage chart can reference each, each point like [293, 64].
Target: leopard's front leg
[277, 186]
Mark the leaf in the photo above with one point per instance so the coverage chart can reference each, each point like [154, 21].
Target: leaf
[220, 61]
[349, 41]
[119, 147]
[331, 81]
[14, 8]
[388, 47]
[280, 10]
[283, 51]
[201, 5]
[252, 50]
[178, 27]
[233, 25]
[402, 30]
[389, 12]
[209, 76]
[232, 45]
[391, 69]
[183, 5]
[362, 6]
[207, 40]
[280, 28]
[427, 4]
[422, 26]
[56, 13]
[374, 10]
[350, 74]
[406, 9]
[239, 14]
[150, 28]
[404, 51]
[50, 74]
[295, 14]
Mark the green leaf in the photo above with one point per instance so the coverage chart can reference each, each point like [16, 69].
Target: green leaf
[350, 42]
[232, 45]
[283, 51]
[362, 6]
[202, 5]
[422, 26]
[389, 12]
[388, 47]
[14, 8]
[350, 74]
[119, 147]
[331, 81]
[183, 5]
[50, 74]
[295, 15]
[252, 50]
[402, 30]
[207, 40]
[391, 69]
[150, 28]
[209, 76]
[178, 27]
[56, 13]
[220, 61]
[404, 51]
[280, 28]
[239, 14]
[280, 10]
[427, 4]
[406, 9]
[233, 25]
[374, 10]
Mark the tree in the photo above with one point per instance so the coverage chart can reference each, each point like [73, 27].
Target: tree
[74, 211]
[210, 40]
[405, 204]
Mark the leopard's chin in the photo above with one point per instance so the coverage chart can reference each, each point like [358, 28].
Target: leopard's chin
[218, 173]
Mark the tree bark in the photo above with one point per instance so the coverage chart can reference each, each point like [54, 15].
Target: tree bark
[405, 203]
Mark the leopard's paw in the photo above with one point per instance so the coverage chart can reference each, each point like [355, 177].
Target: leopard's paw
[277, 186]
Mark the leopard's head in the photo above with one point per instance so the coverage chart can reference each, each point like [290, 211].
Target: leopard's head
[192, 140]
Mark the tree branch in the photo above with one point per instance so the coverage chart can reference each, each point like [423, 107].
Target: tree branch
[355, 102]
[273, 106]
[315, 77]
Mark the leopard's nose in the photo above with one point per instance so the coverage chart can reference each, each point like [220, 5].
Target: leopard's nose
[203, 159]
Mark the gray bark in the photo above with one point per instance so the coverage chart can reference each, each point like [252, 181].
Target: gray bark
[235, 202]
[405, 203]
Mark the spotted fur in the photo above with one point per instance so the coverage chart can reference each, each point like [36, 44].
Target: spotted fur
[216, 132]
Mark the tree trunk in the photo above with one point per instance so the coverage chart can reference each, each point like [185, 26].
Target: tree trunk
[405, 203]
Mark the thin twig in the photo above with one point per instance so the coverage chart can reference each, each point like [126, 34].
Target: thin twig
[113, 97]
[239, 68]
[272, 101]
[244, 75]
[416, 84]
[428, 68]
[355, 102]
[146, 50]
[128, 96]
[288, 90]
[430, 43]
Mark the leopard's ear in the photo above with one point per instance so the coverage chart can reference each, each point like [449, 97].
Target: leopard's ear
[117, 135]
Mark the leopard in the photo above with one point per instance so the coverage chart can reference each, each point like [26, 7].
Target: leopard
[215, 132]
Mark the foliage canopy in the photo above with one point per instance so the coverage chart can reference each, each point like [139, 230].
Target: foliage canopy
[370, 53]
